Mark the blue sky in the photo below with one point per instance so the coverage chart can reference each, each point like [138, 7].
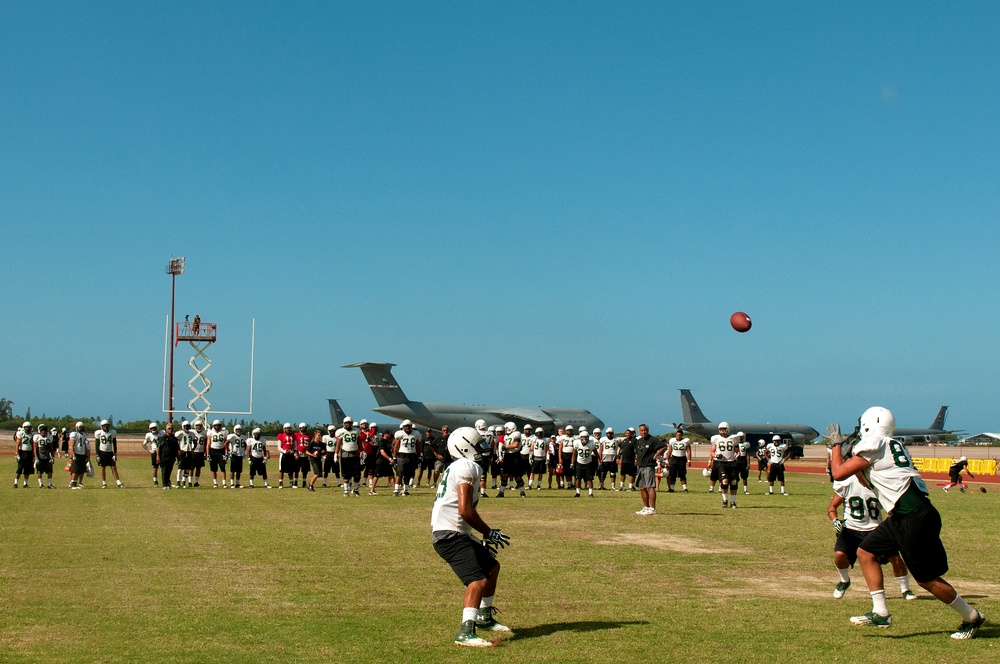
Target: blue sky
[553, 203]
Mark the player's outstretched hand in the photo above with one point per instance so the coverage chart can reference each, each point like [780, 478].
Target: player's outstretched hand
[496, 540]
[833, 434]
[838, 525]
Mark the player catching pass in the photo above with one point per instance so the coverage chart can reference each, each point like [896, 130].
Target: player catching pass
[913, 527]
[452, 521]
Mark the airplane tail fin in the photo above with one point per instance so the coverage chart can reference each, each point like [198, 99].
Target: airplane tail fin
[385, 388]
[690, 410]
[938, 422]
[337, 413]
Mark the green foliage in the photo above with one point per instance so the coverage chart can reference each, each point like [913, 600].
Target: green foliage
[6, 409]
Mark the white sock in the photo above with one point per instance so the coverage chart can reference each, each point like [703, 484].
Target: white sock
[878, 603]
[590, 492]
[486, 602]
[845, 574]
[469, 613]
[967, 612]
[684, 487]
[904, 583]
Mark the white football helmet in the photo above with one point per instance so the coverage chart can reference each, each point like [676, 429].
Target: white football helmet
[27, 425]
[569, 429]
[153, 426]
[962, 459]
[481, 426]
[302, 426]
[255, 433]
[197, 424]
[406, 423]
[584, 433]
[332, 428]
[104, 425]
[878, 421]
[237, 428]
[509, 428]
[539, 431]
[185, 425]
[79, 426]
[723, 426]
[465, 443]
[287, 426]
[527, 427]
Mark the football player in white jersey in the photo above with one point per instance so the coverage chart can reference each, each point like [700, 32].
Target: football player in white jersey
[150, 442]
[185, 462]
[80, 448]
[608, 454]
[539, 453]
[44, 450]
[861, 516]
[107, 453]
[236, 450]
[198, 455]
[566, 456]
[25, 455]
[331, 463]
[453, 520]
[405, 448]
[257, 452]
[724, 455]
[347, 449]
[217, 438]
[677, 462]
[777, 453]
[585, 447]
[913, 527]
[511, 460]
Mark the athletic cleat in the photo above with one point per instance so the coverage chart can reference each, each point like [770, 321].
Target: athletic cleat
[405, 492]
[945, 489]
[467, 636]
[372, 493]
[841, 588]
[670, 491]
[733, 505]
[909, 594]
[643, 511]
[485, 620]
[356, 493]
[873, 619]
[576, 495]
[523, 495]
[967, 630]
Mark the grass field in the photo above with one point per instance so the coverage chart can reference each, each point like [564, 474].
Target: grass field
[143, 574]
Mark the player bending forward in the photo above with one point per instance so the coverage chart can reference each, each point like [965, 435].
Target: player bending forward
[452, 521]
[913, 527]
[862, 515]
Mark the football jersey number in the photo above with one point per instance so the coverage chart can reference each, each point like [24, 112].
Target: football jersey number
[856, 506]
[443, 484]
[899, 455]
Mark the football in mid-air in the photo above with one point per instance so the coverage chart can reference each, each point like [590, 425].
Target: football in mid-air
[740, 321]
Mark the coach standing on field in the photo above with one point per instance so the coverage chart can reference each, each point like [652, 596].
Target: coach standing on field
[647, 450]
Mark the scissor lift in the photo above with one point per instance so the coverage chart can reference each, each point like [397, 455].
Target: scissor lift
[200, 335]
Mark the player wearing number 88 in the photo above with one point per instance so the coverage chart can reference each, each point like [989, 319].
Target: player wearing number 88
[913, 527]
[861, 516]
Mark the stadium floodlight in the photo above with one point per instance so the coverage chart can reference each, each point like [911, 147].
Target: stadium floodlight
[174, 268]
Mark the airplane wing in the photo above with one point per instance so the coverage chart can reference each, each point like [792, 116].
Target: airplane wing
[535, 416]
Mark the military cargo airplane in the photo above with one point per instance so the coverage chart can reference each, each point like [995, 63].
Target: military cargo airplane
[394, 403]
[696, 422]
[337, 416]
[935, 433]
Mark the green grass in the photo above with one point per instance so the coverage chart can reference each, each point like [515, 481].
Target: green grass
[195, 575]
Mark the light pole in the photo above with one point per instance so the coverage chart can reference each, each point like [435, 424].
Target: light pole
[174, 267]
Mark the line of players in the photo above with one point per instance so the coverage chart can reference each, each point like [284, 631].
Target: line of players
[730, 455]
[36, 452]
[349, 453]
